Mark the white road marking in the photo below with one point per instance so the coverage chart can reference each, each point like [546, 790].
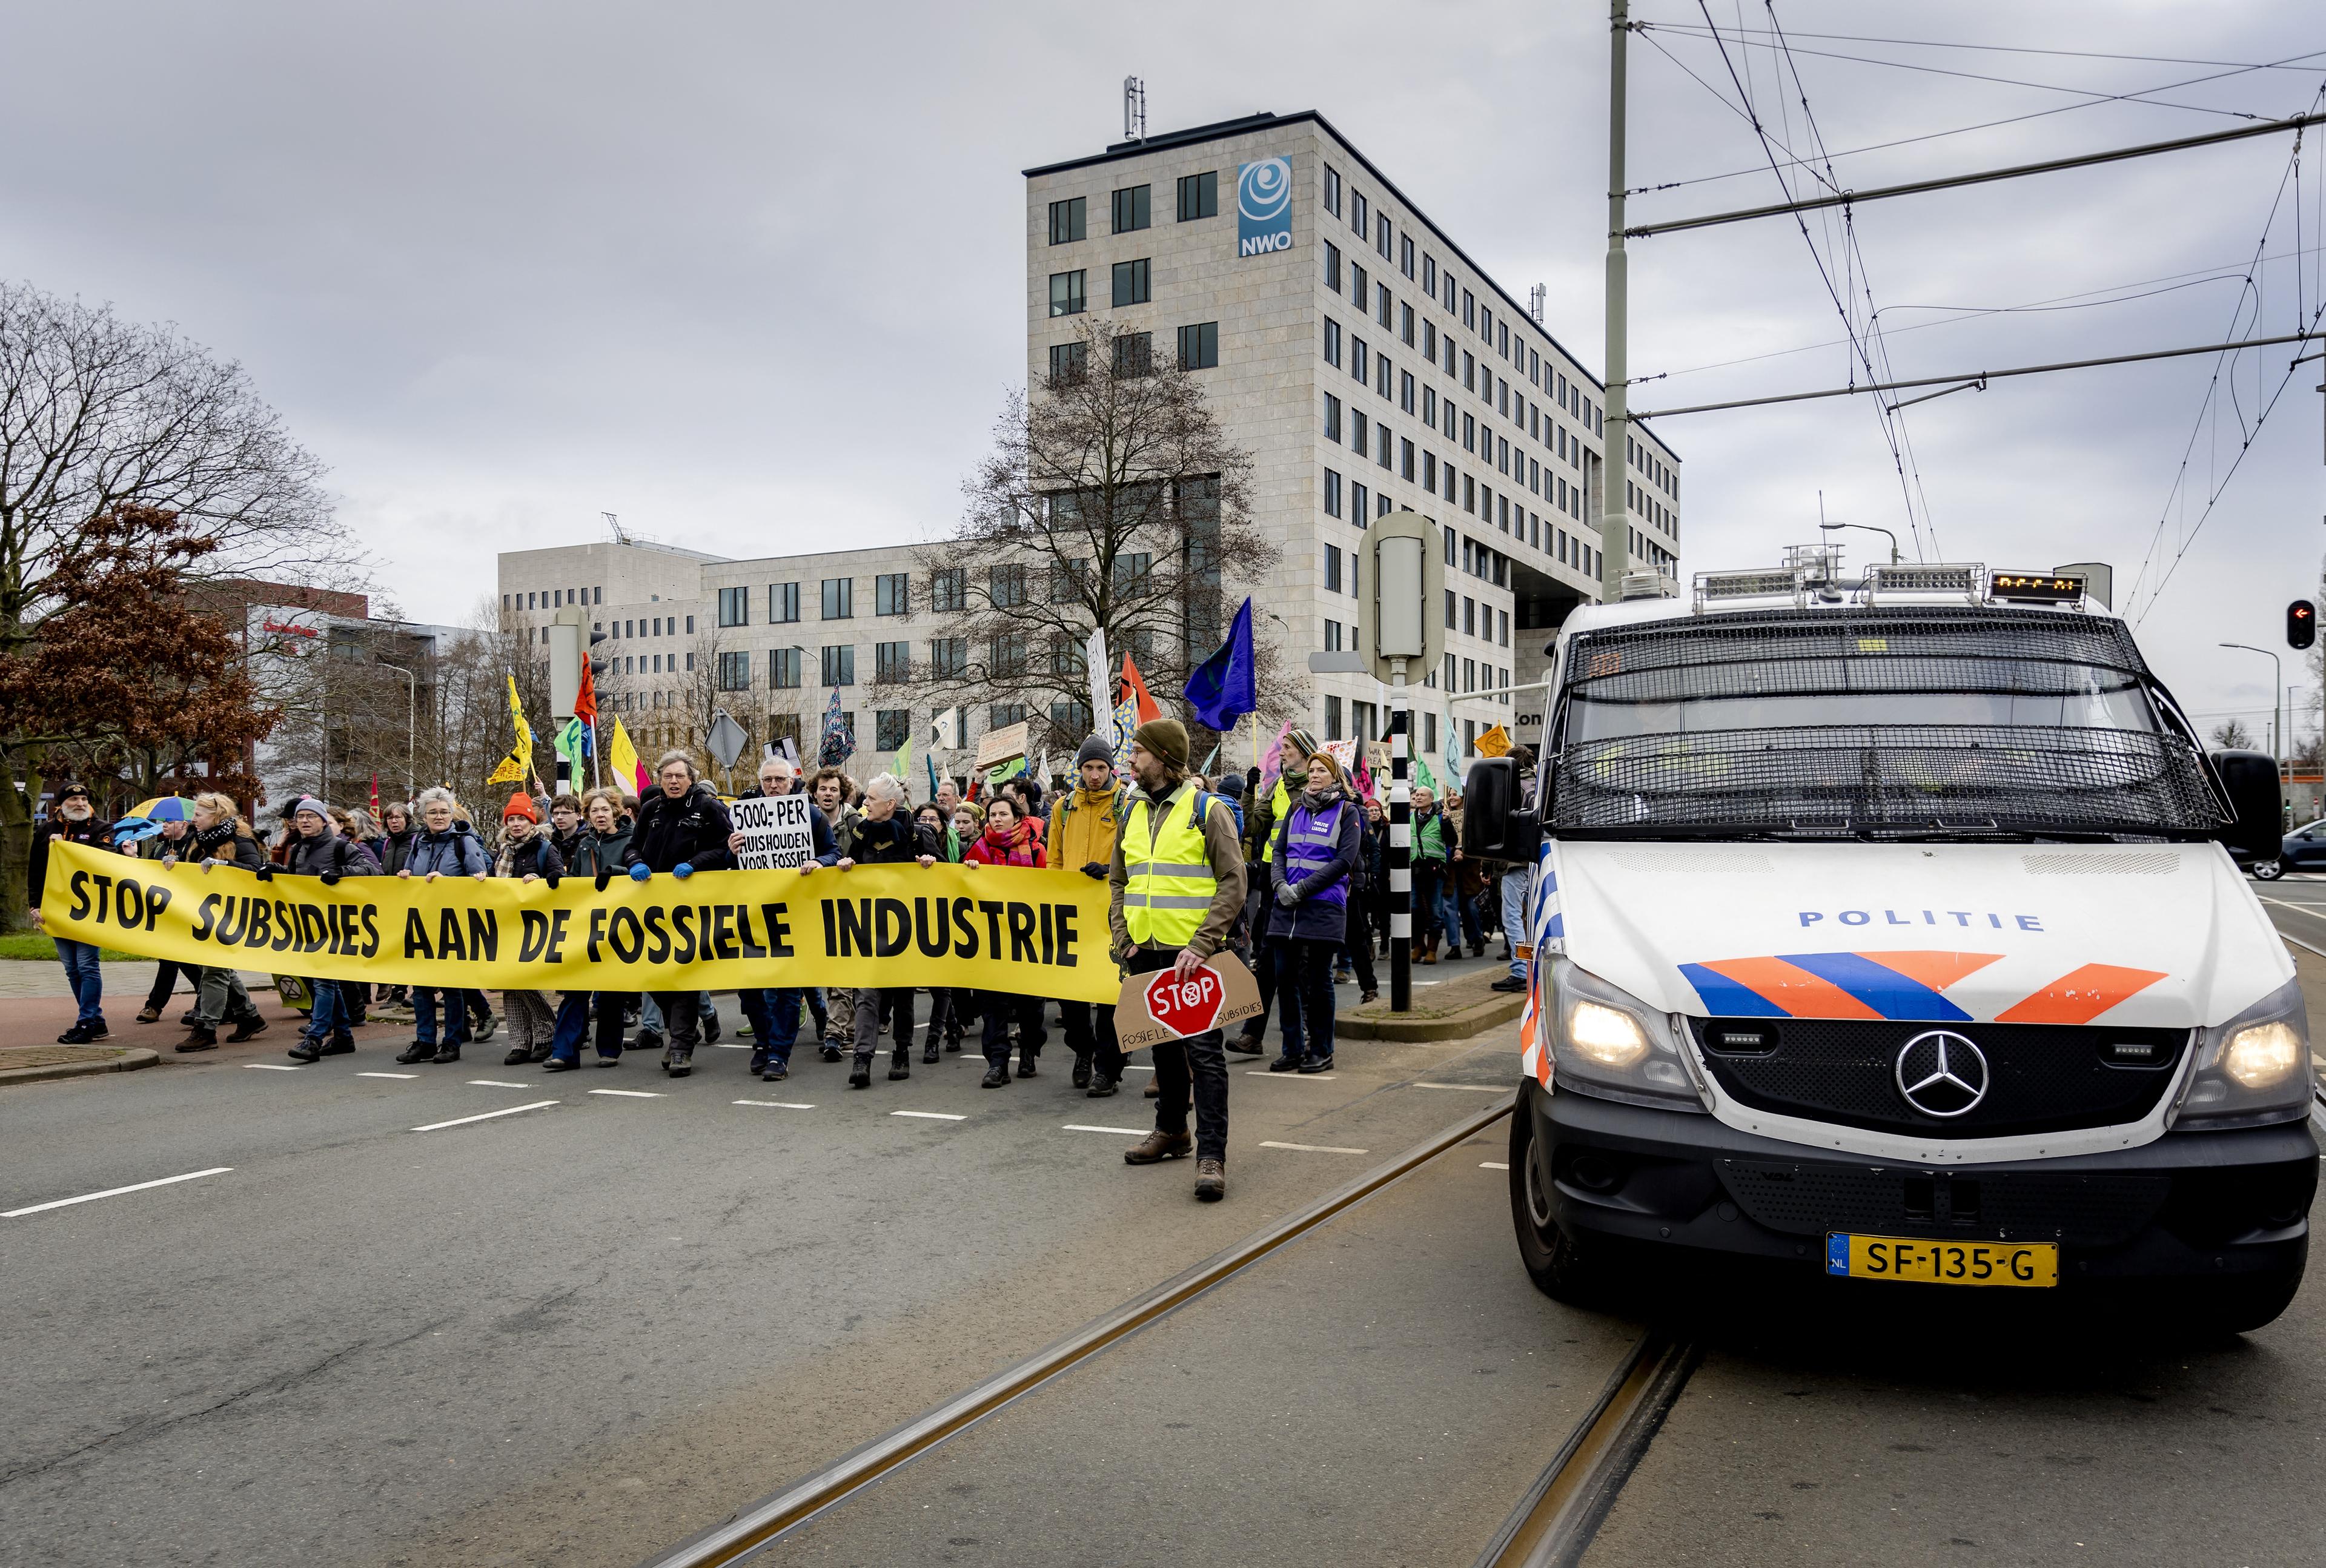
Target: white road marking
[117, 1191]
[1311, 1077]
[488, 1116]
[630, 1093]
[723, 1045]
[2308, 909]
[272, 1066]
[1466, 1088]
[1313, 1148]
[496, 1083]
[778, 1104]
[1128, 1068]
[1492, 1166]
[387, 1075]
[1126, 1131]
[930, 1115]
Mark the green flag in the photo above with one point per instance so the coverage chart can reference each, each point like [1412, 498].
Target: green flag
[569, 744]
[1422, 776]
[904, 758]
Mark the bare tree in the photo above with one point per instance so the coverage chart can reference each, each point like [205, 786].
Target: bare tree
[96, 414]
[2233, 736]
[1112, 500]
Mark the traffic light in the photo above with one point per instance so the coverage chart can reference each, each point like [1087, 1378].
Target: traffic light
[597, 664]
[2301, 624]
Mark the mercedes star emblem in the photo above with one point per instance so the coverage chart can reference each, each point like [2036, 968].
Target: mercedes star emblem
[1942, 1074]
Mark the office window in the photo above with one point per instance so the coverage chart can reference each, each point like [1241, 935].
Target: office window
[1332, 641]
[1070, 718]
[1067, 220]
[735, 672]
[1332, 418]
[839, 598]
[949, 588]
[892, 661]
[1332, 191]
[1333, 568]
[1502, 619]
[1469, 433]
[734, 605]
[1469, 308]
[1069, 362]
[1332, 494]
[1405, 324]
[1380, 373]
[1199, 345]
[1135, 355]
[1360, 217]
[1131, 283]
[783, 602]
[1382, 235]
[783, 668]
[1429, 729]
[1331, 267]
[840, 665]
[1005, 656]
[1503, 340]
[1405, 463]
[1405, 390]
[1450, 291]
[1002, 715]
[1067, 658]
[1429, 472]
[1469, 372]
[1359, 293]
[1358, 501]
[690, 625]
[1131, 209]
[891, 727]
[1469, 618]
[1134, 574]
[1067, 294]
[1067, 579]
[1331, 342]
[1199, 196]
[948, 657]
[1381, 444]
[1381, 303]
[1487, 324]
[1360, 362]
[892, 594]
[1452, 600]
[1429, 274]
[1358, 437]
[1006, 585]
[1405, 253]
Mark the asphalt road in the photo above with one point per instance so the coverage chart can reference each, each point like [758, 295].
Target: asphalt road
[574, 1333]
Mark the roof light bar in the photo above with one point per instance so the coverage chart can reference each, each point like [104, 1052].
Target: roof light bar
[1968, 579]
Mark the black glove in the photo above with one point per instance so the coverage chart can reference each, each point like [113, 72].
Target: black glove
[1095, 871]
[328, 879]
[550, 878]
[604, 876]
[265, 873]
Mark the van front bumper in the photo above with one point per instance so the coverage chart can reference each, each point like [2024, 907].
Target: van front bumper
[2187, 1204]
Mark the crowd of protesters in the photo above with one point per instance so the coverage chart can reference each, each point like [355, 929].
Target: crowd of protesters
[1290, 872]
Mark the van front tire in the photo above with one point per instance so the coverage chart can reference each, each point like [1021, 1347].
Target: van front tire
[1558, 1267]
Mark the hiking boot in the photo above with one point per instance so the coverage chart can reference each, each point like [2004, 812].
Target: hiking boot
[1158, 1145]
[1285, 1065]
[996, 1076]
[305, 1051]
[247, 1028]
[199, 1040]
[1368, 997]
[900, 1065]
[953, 1042]
[711, 1029]
[446, 1054]
[1025, 1064]
[929, 1056]
[1081, 1069]
[518, 1056]
[1247, 1042]
[1100, 1087]
[541, 1052]
[1318, 1064]
[1154, 1091]
[341, 1045]
[862, 1077]
[647, 1040]
[1211, 1180]
[485, 1025]
[678, 1061]
[418, 1050]
[149, 1014]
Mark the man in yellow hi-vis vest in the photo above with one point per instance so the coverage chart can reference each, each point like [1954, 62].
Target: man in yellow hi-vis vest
[1179, 881]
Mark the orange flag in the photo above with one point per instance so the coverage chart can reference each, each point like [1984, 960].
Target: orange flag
[585, 700]
[1147, 708]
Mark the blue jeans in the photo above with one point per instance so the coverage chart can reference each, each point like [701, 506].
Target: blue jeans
[572, 1026]
[1515, 930]
[331, 1013]
[424, 1011]
[1458, 918]
[775, 1014]
[80, 959]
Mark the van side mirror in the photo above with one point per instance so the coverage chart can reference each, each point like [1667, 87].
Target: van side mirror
[2250, 778]
[1496, 823]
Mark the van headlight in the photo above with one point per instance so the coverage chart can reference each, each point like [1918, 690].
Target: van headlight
[1606, 1041]
[2253, 1069]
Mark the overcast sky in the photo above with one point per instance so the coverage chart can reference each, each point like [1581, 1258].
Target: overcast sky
[750, 276]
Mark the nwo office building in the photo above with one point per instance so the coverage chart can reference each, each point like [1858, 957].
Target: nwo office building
[1361, 357]
[1369, 365]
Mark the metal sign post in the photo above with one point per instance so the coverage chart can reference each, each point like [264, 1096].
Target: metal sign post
[1396, 630]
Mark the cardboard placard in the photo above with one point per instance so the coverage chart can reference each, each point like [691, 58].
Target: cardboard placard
[997, 746]
[776, 833]
[1157, 1008]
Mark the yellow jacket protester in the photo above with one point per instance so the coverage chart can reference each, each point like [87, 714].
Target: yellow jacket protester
[996, 928]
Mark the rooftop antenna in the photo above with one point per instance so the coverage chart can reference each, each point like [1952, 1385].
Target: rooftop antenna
[1535, 297]
[615, 524]
[1134, 109]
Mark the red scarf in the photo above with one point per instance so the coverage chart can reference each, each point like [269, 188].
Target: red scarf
[1011, 847]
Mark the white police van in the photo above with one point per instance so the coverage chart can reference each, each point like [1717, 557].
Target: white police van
[1885, 927]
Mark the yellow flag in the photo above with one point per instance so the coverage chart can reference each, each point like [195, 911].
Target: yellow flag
[511, 771]
[623, 758]
[1494, 742]
[523, 752]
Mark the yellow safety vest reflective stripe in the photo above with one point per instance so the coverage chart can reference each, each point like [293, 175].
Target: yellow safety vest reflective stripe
[1168, 878]
[1280, 806]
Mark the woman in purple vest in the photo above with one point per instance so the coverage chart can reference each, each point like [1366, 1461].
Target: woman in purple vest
[1317, 845]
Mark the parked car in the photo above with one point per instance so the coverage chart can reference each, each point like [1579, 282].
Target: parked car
[2303, 849]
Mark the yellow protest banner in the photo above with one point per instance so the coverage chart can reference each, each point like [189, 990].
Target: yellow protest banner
[994, 928]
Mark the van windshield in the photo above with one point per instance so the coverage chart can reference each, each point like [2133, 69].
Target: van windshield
[1925, 722]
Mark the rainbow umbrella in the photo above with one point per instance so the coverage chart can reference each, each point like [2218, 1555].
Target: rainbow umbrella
[166, 808]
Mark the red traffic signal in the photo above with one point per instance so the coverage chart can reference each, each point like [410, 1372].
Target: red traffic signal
[2301, 624]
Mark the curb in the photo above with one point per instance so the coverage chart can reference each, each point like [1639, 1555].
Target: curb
[1501, 1008]
[127, 1061]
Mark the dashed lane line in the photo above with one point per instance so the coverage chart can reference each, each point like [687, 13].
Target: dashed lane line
[1492, 1165]
[930, 1115]
[1309, 1077]
[1126, 1131]
[113, 1192]
[273, 1066]
[387, 1075]
[778, 1104]
[1469, 1088]
[495, 1083]
[1313, 1148]
[630, 1093]
[487, 1116]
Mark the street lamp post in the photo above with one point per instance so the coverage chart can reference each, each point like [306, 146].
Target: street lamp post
[411, 726]
[2276, 747]
[1869, 528]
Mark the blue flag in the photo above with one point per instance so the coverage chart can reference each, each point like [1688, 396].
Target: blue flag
[1220, 691]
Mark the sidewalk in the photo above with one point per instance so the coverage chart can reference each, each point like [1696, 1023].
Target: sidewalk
[35, 1008]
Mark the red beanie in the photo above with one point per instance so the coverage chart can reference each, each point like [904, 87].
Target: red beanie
[521, 805]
